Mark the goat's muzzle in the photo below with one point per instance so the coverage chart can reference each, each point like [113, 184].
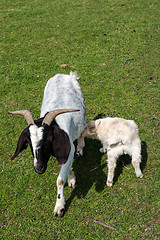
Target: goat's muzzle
[40, 170]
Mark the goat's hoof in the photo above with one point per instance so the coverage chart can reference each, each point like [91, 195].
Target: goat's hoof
[139, 173]
[101, 150]
[59, 207]
[79, 153]
[109, 184]
[72, 183]
[59, 212]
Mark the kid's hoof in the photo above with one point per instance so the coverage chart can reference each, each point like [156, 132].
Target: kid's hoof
[79, 153]
[109, 184]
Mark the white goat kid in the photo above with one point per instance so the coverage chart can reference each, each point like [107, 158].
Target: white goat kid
[118, 136]
[53, 134]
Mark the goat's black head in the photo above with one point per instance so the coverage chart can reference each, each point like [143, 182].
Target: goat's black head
[45, 139]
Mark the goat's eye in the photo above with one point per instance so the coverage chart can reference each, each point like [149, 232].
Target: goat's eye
[49, 139]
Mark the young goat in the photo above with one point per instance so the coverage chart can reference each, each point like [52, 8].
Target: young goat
[54, 135]
[118, 136]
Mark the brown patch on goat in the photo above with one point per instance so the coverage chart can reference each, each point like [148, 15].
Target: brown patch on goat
[91, 129]
[60, 181]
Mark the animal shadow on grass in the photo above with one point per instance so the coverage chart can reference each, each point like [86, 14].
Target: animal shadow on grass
[88, 171]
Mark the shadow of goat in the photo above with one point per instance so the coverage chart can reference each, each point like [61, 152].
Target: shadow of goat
[89, 171]
[125, 160]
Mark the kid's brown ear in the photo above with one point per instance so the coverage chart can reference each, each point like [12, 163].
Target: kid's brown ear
[91, 124]
[92, 130]
[91, 127]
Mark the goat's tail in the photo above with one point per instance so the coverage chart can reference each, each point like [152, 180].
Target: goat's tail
[74, 75]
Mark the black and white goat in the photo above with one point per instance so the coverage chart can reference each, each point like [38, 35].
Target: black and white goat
[118, 136]
[54, 135]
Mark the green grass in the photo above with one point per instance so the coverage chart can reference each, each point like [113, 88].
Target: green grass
[114, 47]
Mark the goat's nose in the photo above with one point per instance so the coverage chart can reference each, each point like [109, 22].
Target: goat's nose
[40, 169]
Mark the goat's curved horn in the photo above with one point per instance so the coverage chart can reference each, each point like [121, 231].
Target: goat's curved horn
[27, 115]
[51, 115]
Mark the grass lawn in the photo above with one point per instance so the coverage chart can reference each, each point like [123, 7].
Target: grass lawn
[114, 47]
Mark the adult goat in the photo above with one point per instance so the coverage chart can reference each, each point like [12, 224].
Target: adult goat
[54, 135]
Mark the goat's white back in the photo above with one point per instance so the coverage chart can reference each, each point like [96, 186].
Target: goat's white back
[116, 130]
[64, 92]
